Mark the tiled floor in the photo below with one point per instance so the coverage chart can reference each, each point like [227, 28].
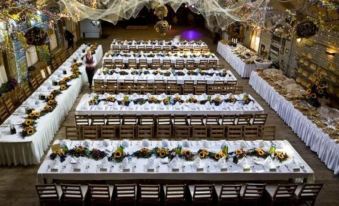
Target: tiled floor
[17, 183]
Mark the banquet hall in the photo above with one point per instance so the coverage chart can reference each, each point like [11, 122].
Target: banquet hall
[169, 102]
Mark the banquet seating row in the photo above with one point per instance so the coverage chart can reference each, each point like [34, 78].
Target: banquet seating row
[167, 126]
[11, 100]
[169, 87]
[231, 132]
[125, 48]
[178, 194]
[156, 63]
[60, 57]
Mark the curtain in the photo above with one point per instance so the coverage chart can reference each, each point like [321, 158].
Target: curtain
[255, 39]
[53, 43]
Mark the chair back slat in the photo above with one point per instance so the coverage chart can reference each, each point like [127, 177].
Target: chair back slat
[253, 191]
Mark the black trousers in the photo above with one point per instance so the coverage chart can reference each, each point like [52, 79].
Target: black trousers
[90, 73]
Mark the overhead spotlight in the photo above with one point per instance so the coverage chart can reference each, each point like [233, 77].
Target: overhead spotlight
[96, 22]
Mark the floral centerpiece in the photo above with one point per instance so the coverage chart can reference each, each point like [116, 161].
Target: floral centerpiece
[217, 100]
[166, 100]
[94, 100]
[34, 114]
[281, 156]
[186, 154]
[97, 154]
[153, 99]
[161, 152]
[143, 153]
[192, 99]
[79, 151]
[258, 152]
[246, 99]
[58, 151]
[118, 155]
[231, 99]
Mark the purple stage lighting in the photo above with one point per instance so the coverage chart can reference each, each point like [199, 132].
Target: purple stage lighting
[191, 34]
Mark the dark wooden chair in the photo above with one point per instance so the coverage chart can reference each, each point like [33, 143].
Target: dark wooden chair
[48, 194]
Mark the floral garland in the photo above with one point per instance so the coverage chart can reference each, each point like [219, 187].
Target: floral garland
[107, 71]
[28, 126]
[162, 152]
[170, 100]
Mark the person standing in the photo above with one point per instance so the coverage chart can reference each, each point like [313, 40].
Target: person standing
[69, 38]
[90, 67]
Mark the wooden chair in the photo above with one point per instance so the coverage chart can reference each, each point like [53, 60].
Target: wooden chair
[108, 132]
[143, 63]
[90, 132]
[127, 131]
[238, 89]
[39, 78]
[252, 193]
[124, 88]
[267, 132]
[215, 129]
[234, 132]
[3, 113]
[34, 83]
[27, 90]
[149, 194]
[163, 126]
[98, 120]
[181, 128]
[100, 194]
[73, 194]
[48, 194]
[132, 63]
[125, 194]
[281, 193]
[118, 63]
[188, 87]
[173, 87]
[99, 86]
[228, 120]
[20, 96]
[9, 104]
[159, 86]
[82, 120]
[72, 132]
[307, 193]
[202, 194]
[113, 120]
[231, 87]
[108, 63]
[199, 129]
[251, 132]
[228, 194]
[259, 119]
[145, 128]
[244, 119]
[111, 86]
[200, 87]
[175, 194]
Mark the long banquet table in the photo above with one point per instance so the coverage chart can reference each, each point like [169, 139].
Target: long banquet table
[172, 57]
[243, 69]
[314, 137]
[160, 44]
[18, 150]
[110, 108]
[133, 168]
[150, 77]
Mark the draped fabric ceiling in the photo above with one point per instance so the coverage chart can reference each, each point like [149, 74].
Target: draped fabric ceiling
[218, 13]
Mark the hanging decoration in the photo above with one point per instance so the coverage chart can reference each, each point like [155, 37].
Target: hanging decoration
[36, 36]
[306, 29]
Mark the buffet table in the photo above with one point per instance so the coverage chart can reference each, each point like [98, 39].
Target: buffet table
[106, 104]
[18, 150]
[173, 57]
[319, 142]
[172, 165]
[166, 75]
[242, 68]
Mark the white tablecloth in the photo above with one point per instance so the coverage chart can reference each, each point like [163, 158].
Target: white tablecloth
[151, 77]
[199, 169]
[243, 69]
[107, 108]
[172, 44]
[319, 142]
[149, 59]
[16, 150]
